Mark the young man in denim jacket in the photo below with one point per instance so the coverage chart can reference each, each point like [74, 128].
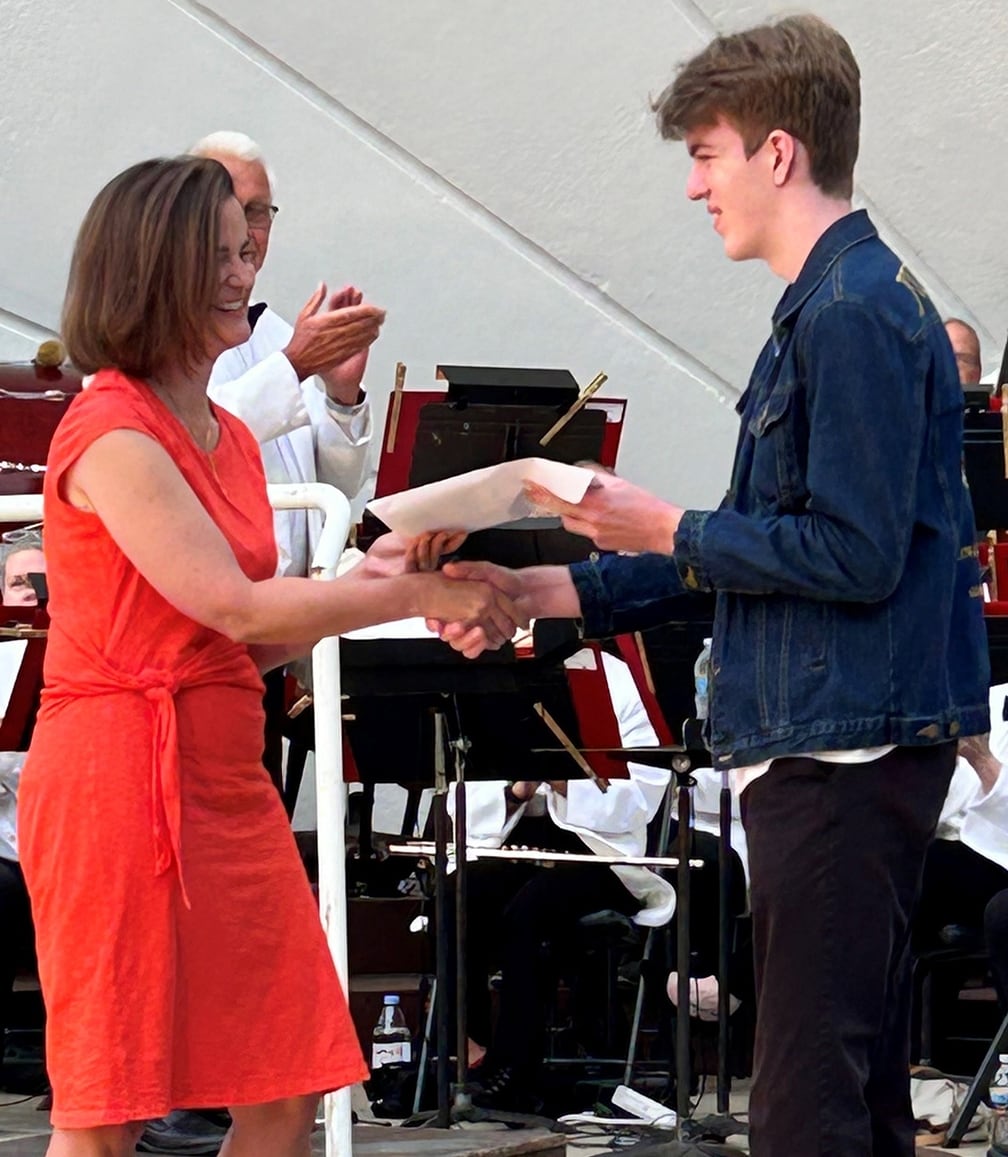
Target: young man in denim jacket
[849, 651]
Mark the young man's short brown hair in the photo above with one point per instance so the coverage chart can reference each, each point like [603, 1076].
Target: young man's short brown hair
[797, 74]
[143, 277]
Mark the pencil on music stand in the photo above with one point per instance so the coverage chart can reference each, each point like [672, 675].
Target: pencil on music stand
[583, 398]
[397, 392]
[572, 751]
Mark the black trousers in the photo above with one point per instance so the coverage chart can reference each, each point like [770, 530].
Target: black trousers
[836, 853]
[996, 935]
[17, 935]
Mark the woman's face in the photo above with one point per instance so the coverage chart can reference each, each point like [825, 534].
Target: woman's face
[235, 278]
[17, 588]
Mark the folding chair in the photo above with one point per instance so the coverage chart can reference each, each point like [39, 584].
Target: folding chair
[978, 1086]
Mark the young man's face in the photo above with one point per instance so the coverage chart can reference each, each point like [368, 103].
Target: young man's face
[737, 189]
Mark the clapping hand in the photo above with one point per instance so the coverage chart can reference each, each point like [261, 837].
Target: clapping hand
[332, 338]
[342, 381]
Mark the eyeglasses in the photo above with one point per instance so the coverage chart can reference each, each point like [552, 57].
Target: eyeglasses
[22, 533]
[260, 216]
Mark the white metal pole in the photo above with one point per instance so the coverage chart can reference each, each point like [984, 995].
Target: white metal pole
[330, 790]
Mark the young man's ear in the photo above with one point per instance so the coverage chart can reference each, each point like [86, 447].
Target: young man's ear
[784, 153]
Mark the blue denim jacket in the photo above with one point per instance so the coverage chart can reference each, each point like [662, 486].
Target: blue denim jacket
[843, 555]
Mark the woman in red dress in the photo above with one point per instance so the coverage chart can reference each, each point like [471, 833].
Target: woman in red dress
[180, 952]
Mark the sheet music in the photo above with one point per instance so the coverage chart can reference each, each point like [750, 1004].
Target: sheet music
[479, 499]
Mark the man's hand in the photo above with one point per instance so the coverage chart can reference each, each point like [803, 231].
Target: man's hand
[537, 592]
[343, 381]
[475, 607]
[395, 554]
[615, 515]
[524, 789]
[975, 749]
[472, 639]
[334, 339]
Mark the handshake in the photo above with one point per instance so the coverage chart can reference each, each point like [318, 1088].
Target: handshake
[477, 606]
[473, 606]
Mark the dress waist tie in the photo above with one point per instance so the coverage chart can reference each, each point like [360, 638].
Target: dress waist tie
[159, 688]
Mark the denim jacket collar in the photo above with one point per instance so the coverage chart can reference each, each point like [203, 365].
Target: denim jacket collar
[850, 230]
[842, 235]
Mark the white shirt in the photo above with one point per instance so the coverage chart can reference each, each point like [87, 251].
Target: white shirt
[978, 818]
[302, 435]
[614, 822]
[11, 653]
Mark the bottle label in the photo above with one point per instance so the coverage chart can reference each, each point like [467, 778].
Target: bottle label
[392, 1052]
[999, 1097]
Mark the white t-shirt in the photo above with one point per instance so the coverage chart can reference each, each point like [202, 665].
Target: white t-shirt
[742, 777]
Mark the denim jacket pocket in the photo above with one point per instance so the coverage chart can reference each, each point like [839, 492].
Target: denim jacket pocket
[775, 474]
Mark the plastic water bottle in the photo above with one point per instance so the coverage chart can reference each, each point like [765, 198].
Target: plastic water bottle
[391, 1056]
[999, 1102]
[701, 681]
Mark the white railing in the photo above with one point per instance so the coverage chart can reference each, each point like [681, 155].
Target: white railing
[330, 790]
[329, 787]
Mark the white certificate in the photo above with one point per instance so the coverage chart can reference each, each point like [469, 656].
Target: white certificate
[481, 499]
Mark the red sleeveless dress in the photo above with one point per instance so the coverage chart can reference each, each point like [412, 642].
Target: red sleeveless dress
[180, 951]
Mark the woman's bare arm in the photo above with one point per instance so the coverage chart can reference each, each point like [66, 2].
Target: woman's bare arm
[131, 483]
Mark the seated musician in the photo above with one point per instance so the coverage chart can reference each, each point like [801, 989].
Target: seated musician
[966, 868]
[18, 939]
[20, 555]
[516, 908]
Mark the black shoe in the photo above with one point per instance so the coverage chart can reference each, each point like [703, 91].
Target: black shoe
[502, 1088]
[182, 1131]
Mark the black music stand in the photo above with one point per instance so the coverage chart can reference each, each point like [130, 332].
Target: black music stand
[984, 466]
[416, 700]
[492, 416]
[671, 652]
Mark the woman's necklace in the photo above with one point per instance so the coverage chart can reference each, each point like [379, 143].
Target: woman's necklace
[205, 439]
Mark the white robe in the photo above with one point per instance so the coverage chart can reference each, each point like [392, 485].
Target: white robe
[303, 437]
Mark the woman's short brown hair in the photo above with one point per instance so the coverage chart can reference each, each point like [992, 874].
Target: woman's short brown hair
[144, 273]
[797, 74]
